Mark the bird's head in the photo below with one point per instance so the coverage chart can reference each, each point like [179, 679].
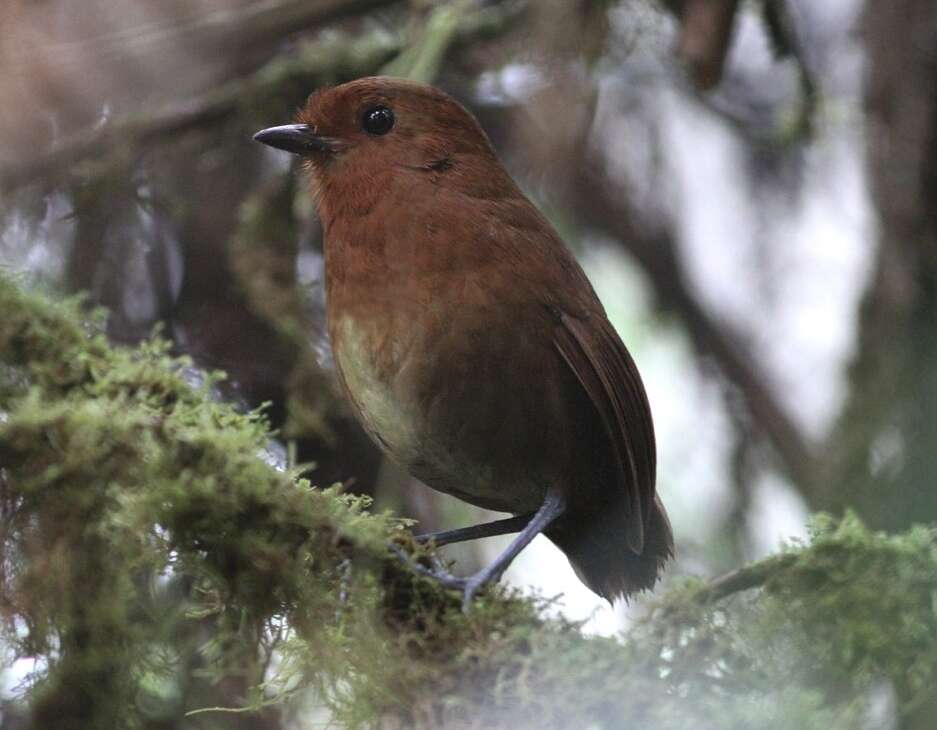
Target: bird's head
[363, 131]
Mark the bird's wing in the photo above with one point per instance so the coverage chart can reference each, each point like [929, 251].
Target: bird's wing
[595, 353]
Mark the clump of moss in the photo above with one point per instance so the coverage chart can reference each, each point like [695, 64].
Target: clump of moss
[121, 486]
[861, 607]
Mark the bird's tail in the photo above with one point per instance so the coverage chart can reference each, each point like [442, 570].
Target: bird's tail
[599, 553]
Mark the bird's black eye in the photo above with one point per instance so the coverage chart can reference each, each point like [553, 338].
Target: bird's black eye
[378, 120]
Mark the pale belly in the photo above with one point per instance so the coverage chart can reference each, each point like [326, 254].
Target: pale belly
[386, 410]
[387, 387]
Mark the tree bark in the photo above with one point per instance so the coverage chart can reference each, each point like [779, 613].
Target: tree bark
[882, 458]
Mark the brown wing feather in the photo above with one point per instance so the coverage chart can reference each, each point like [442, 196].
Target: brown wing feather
[595, 353]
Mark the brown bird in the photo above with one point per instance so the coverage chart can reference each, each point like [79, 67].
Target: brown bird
[469, 341]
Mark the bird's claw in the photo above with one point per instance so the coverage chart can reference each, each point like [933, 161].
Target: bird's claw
[469, 586]
[472, 586]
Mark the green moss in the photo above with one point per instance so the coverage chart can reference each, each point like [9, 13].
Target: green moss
[863, 605]
[111, 460]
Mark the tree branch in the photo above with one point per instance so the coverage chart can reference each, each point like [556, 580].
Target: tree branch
[745, 578]
[246, 26]
[655, 252]
[314, 64]
[705, 33]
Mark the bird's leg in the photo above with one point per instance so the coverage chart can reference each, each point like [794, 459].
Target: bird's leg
[474, 532]
[553, 506]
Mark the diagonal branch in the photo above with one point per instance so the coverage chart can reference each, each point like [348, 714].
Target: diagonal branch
[754, 575]
[655, 252]
[597, 203]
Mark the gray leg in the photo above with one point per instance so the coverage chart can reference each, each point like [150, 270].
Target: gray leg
[487, 529]
[553, 506]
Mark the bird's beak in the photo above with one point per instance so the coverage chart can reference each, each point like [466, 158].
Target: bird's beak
[296, 138]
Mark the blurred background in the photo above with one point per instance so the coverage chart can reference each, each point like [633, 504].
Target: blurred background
[751, 187]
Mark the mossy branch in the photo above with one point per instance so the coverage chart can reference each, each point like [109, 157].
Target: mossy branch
[143, 535]
[745, 578]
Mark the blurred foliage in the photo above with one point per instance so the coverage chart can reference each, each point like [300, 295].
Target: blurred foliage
[264, 265]
[139, 512]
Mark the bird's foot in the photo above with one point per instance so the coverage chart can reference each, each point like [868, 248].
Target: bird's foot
[469, 586]
[473, 584]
